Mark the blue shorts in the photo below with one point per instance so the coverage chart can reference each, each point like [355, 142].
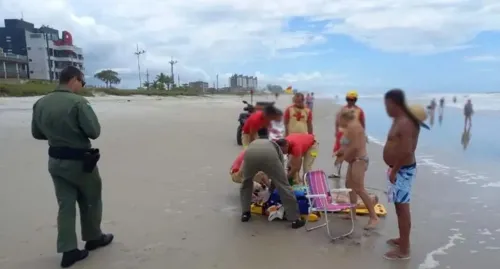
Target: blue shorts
[400, 192]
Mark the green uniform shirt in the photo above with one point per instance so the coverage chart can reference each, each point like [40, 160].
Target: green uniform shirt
[65, 119]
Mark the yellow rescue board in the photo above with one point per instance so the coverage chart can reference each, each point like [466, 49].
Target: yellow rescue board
[258, 210]
[379, 210]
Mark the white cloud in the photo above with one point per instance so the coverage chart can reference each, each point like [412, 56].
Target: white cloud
[211, 36]
[482, 58]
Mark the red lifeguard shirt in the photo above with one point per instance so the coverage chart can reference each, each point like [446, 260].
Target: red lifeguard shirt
[238, 162]
[299, 144]
[255, 122]
[298, 114]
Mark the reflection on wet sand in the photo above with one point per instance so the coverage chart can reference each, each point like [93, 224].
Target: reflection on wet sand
[466, 135]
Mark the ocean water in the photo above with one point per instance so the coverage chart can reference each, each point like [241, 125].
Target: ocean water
[441, 147]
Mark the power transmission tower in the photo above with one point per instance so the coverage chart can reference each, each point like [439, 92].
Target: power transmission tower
[217, 77]
[178, 80]
[138, 53]
[147, 79]
[172, 62]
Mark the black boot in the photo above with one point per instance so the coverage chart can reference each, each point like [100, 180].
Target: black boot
[245, 217]
[71, 257]
[103, 241]
[298, 223]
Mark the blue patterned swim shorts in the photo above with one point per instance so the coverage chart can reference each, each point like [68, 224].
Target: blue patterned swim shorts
[400, 192]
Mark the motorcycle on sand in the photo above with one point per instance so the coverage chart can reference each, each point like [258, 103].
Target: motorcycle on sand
[249, 109]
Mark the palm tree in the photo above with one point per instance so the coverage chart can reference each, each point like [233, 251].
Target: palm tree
[162, 80]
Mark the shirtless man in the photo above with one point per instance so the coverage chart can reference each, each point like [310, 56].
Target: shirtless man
[356, 156]
[399, 155]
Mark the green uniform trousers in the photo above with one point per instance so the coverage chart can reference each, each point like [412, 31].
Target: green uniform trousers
[72, 186]
[262, 155]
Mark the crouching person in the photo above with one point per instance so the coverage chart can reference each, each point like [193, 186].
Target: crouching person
[302, 150]
[266, 156]
[260, 179]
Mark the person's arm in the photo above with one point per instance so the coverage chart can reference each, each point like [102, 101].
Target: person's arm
[36, 132]
[337, 118]
[362, 118]
[286, 120]
[294, 162]
[310, 122]
[88, 120]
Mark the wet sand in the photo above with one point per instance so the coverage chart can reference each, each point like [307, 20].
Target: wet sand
[169, 200]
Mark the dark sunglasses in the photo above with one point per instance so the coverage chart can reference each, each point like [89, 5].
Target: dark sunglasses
[81, 81]
[351, 99]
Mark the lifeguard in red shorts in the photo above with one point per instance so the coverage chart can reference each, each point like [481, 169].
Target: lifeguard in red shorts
[351, 99]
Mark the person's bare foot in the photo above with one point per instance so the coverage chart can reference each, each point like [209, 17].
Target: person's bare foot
[372, 224]
[393, 242]
[396, 254]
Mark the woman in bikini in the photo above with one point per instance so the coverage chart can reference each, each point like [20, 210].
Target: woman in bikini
[354, 152]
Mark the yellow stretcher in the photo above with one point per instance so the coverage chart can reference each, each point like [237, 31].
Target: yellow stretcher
[259, 210]
[379, 210]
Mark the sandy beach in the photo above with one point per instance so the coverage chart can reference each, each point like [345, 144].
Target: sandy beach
[169, 200]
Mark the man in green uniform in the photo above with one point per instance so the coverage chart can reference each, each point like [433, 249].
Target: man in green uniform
[67, 121]
[266, 156]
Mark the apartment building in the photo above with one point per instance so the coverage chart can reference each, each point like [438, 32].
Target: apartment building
[47, 52]
[13, 66]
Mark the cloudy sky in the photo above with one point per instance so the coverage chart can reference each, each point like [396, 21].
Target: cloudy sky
[317, 45]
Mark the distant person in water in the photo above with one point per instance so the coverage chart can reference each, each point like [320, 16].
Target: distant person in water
[399, 155]
[432, 111]
[454, 99]
[441, 110]
[468, 112]
[310, 100]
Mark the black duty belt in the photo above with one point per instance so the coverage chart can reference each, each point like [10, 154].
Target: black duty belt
[89, 157]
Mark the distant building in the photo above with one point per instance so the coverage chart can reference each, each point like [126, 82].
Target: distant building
[13, 66]
[47, 53]
[246, 82]
[199, 85]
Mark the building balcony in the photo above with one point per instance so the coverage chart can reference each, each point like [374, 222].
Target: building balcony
[67, 47]
[14, 58]
[66, 59]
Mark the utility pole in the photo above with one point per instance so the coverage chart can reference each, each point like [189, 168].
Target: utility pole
[217, 79]
[178, 80]
[172, 62]
[46, 36]
[138, 53]
[147, 79]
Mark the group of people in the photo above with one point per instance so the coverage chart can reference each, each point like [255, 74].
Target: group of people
[67, 121]
[468, 111]
[262, 161]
